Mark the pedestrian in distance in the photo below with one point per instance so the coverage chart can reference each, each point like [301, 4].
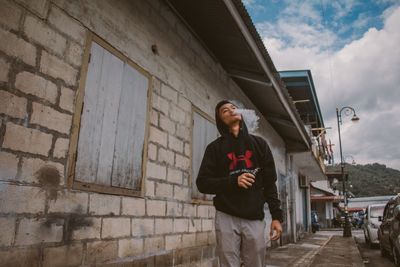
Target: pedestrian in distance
[238, 168]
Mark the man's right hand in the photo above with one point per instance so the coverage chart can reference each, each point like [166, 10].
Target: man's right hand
[246, 180]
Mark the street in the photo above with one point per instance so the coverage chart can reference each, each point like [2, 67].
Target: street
[371, 256]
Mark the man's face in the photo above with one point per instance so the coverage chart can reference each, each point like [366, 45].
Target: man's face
[228, 114]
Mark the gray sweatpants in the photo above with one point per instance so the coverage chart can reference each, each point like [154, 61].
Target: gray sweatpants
[240, 238]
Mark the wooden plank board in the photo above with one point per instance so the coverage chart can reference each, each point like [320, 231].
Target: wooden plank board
[111, 83]
[86, 164]
[127, 167]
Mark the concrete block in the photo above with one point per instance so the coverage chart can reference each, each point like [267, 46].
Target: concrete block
[142, 226]
[184, 104]
[166, 156]
[51, 118]
[149, 188]
[4, 69]
[152, 152]
[36, 231]
[182, 162]
[181, 225]
[194, 225]
[173, 242]
[104, 204]
[181, 193]
[202, 211]
[174, 209]
[183, 132]
[163, 226]
[211, 211]
[189, 210]
[156, 171]
[67, 99]
[160, 104]
[201, 238]
[101, 251]
[188, 240]
[41, 33]
[154, 244]
[158, 136]
[156, 85]
[167, 125]
[10, 14]
[8, 166]
[13, 105]
[67, 25]
[36, 85]
[61, 148]
[207, 225]
[57, 68]
[130, 247]
[177, 114]
[169, 93]
[175, 144]
[174, 175]
[154, 117]
[70, 255]
[116, 227]
[17, 47]
[39, 7]
[133, 206]
[69, 202]
[164, 190]
[20, 257]
[155, 207]
[74, 54]
[212, 239]
[90, 229]
[187, 149]
[21, 199]
[7, 230]
[47, 173]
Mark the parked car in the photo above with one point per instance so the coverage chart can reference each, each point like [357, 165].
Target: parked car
[372, 223]
[389, 230]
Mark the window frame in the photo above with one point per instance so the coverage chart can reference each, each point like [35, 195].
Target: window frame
[76, 123]
[203, 114]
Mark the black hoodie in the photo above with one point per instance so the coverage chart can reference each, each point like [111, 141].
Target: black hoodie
[228, 157]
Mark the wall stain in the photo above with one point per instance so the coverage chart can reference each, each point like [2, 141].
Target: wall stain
[76, 221]
[49, 177]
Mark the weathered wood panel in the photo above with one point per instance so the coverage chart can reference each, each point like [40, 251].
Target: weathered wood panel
[204, 132]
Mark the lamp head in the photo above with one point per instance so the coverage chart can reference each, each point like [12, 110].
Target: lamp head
[355, 118]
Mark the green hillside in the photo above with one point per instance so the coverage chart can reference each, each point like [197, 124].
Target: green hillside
[371, 179]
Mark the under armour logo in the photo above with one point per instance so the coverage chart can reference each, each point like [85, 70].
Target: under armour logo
[235, 159]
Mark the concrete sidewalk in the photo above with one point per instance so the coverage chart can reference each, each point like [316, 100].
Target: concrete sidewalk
[325, 248]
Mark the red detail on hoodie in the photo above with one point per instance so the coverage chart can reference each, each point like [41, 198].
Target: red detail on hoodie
[235, 159]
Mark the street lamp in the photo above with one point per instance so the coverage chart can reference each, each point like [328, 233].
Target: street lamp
[347, 111]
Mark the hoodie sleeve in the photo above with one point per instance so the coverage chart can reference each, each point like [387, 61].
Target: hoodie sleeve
[269, 177]
[208, 181]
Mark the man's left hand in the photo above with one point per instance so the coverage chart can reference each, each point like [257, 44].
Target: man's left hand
[276, 230]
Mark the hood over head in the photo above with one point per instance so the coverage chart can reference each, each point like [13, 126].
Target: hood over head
[223, 129]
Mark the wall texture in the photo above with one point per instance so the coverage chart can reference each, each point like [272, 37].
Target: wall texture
[45, 223]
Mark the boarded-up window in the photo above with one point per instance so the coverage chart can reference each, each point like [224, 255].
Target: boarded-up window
[112, 128]
[204, 132]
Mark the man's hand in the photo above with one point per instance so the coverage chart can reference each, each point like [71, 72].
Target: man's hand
[246, 180]
[276, 230]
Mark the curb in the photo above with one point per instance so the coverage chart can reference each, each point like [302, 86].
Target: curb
[308, 258]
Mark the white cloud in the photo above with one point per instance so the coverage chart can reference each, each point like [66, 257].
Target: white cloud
[363, 74]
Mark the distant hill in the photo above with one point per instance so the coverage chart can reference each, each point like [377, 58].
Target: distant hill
[371, 179]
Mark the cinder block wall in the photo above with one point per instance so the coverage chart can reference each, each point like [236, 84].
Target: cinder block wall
[45, 223]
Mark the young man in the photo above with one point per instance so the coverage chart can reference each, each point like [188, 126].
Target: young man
[239, 169]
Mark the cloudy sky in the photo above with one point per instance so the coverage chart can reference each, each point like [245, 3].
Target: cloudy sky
[353, 51]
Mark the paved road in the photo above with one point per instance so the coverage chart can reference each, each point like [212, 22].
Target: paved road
[371, 256]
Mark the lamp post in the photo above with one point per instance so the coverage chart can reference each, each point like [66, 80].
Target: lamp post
[348, 111]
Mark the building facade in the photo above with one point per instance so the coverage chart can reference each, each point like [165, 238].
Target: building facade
[105, 111]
